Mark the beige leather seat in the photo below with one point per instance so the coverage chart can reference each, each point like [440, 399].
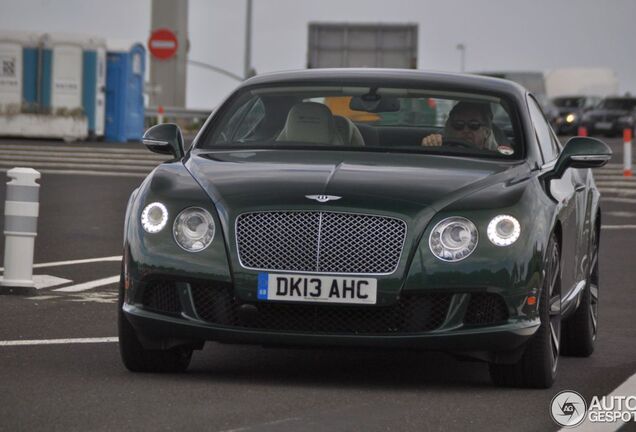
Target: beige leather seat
[349, 132]
[310, 122]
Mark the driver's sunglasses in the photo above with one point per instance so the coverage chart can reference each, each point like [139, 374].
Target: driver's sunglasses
[459, 125]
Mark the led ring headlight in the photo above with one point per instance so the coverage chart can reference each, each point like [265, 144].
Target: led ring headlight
[194, 229]
[453, 239]
[503, 230]
[154, 217]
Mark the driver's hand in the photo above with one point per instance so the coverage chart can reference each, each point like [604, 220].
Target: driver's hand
[433, 140]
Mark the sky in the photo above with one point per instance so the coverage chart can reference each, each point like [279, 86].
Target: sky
[498, 34]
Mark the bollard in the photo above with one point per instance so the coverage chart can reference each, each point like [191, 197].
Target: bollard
[582, 131]
[160, 113]
[20, 228]
[627, 153]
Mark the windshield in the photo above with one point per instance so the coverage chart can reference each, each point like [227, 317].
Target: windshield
[367, 119]
[618, 104]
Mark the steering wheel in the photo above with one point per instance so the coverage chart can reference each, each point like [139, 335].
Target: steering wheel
[460, 144]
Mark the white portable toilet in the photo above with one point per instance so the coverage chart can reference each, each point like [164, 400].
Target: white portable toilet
[12, 71]
[62, 71]
[94, 82]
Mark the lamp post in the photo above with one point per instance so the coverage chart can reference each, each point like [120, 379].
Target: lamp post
[462, 56]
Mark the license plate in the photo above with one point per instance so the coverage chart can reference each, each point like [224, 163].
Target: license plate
[603, 125]
[313, 288]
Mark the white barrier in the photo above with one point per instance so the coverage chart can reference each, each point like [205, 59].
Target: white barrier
[21, 212]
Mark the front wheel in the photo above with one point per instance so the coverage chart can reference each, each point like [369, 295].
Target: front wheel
[538, 365]
[579, 331]
[138, 359]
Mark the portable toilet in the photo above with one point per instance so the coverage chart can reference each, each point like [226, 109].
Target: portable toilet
[18, 70]
[62, 71]
[125, 73]
[94, 86]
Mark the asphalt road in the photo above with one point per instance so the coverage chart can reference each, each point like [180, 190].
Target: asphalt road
[81, 386]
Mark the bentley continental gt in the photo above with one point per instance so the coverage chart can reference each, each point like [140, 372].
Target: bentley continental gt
[367, 208]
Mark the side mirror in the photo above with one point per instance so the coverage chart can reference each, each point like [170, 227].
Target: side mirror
[581, 152]
[165, 139]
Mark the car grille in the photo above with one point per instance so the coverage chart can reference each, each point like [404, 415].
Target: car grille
[485, 309]
[411, 314]
[323, 242]
[161, 296]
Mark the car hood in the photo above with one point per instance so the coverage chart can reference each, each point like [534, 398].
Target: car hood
[375, 182]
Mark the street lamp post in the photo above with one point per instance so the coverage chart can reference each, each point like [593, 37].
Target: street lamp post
[462, 56]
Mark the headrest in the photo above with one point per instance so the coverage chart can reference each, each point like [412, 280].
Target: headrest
[309, 122]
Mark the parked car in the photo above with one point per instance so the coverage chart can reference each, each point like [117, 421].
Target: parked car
[611, 116]
[549, 109]
[285, 225]
[571, 110]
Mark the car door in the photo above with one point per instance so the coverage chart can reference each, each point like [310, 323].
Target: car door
[566, 191]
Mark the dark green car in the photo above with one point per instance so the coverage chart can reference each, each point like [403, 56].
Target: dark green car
[470, 231]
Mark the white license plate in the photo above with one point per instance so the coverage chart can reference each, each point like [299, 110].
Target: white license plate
[314, 288]
[603, 125]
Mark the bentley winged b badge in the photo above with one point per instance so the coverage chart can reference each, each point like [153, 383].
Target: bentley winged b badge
[323, 198]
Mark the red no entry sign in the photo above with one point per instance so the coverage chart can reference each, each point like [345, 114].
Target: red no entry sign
[162, 43]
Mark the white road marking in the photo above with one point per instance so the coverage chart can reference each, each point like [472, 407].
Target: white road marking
[619, 214]
[48, 281]
[80, 261]
[58, 341]
[89, 285]
[619, 200]
[628, 388]
[87, 173]
[618, 227]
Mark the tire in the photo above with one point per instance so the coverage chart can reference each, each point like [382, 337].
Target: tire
[138, 359]
[538, 365]
[580, 330]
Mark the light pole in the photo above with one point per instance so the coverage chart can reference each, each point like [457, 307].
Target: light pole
[462, 56]
[248, 41]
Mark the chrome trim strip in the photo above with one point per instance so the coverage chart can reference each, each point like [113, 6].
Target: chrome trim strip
[154, 142]
[399, 260]
[599, 158]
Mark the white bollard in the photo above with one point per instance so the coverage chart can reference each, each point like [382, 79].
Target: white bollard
[21, 211]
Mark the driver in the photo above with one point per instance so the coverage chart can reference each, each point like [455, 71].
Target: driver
[469, 123]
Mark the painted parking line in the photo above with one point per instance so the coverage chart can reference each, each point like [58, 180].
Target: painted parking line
[90, 285]
[617, 227]
[72, 262]
[59, 341]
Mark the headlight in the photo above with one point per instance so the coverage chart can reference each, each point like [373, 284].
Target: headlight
[154, 217]
[570, 118]
[503, 230]
[453, 239]
[194, 229]
[626, 119]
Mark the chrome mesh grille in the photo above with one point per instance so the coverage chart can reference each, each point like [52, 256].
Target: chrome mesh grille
[324, 242]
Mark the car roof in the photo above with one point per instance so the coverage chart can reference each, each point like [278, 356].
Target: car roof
[392, 77]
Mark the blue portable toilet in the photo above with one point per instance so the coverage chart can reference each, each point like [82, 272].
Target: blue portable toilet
[124, 93]
[62, 71]
[94, 85]
[18, 69]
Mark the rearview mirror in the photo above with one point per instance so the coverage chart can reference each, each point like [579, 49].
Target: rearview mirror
[164, 139]
[374, 103]
[581, 152]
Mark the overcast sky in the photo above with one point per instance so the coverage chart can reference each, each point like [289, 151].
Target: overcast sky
[498, 34]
